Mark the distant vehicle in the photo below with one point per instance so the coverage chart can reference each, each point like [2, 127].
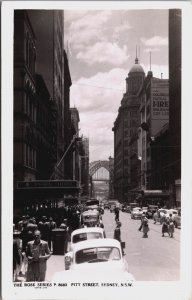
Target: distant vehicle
[128, 209]
[82, 234]
[136, 213]
[123, 208]
[106, 205]
[91, 218]
[112, 208]
[133, 205]
[177, 219]
[92, 202]
[152, 209]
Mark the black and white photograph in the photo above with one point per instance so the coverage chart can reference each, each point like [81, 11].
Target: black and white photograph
[96, 147]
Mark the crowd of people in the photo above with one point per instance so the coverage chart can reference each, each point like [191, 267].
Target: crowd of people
[33, 237]
[167, 225]
[33, 240]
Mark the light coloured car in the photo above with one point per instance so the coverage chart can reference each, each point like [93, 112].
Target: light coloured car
[97, 257]
[136, 213]
[79, 235]
[177, 219]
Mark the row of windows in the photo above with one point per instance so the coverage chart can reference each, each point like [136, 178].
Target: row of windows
[30, 156]
[30, 53]
[131, 123]
[29, 107]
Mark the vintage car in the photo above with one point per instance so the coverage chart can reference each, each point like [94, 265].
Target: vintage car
[136, 213]
[79, 235]
[98, 255]
[91, 218]
[177, 219]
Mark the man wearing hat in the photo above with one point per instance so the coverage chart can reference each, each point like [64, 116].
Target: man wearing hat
[37, 253]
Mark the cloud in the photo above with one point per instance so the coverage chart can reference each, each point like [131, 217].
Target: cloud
[155, 41]
[151, 50]
[98, 98]
[87, 28]
[104, 52]
[157, 70]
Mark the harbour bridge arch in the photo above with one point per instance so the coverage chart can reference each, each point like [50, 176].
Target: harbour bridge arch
[96, 175]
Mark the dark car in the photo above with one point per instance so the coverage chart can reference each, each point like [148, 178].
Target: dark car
[151, 210]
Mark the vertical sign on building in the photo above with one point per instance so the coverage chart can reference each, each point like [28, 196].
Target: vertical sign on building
[159, 104]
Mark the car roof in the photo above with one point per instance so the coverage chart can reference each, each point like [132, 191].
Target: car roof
[90, 212]
[96, 243]
[88, 229]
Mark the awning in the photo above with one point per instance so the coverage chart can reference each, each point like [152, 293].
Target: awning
[156, 193]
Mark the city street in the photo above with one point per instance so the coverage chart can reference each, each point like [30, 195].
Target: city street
[150, 259]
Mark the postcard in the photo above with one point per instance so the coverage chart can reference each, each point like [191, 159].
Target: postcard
[96, 147]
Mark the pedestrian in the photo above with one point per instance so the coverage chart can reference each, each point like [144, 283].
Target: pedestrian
[116, 214]
[66, 234]
[44, 228]
[171, 226]
[142, 217]
[117, 234]
[165, 226]
[145, 227]
[52, 225]
[37, 253]
[16, 256]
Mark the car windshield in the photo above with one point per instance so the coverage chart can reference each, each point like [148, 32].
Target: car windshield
[136, 209]
[97, 254]
[90, 218]
[86, 236]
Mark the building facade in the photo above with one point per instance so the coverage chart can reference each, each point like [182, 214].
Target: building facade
[175, 69]
[25, 106]
[48, 26]
[125, 136]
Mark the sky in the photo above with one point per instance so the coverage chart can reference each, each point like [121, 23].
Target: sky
[101, 49]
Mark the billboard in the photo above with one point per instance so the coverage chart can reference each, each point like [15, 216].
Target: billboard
[159, 104]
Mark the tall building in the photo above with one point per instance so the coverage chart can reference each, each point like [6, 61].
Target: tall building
[125, 135]
[153, 139]
[175, 18]
[25, 108]
[154, 116]
[48, 26]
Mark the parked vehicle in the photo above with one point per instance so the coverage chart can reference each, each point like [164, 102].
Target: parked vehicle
[133, 205]
[80, 235]
[98, 260]
[98, 253]
[177, 219]
[91, 218]
[136, 213]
